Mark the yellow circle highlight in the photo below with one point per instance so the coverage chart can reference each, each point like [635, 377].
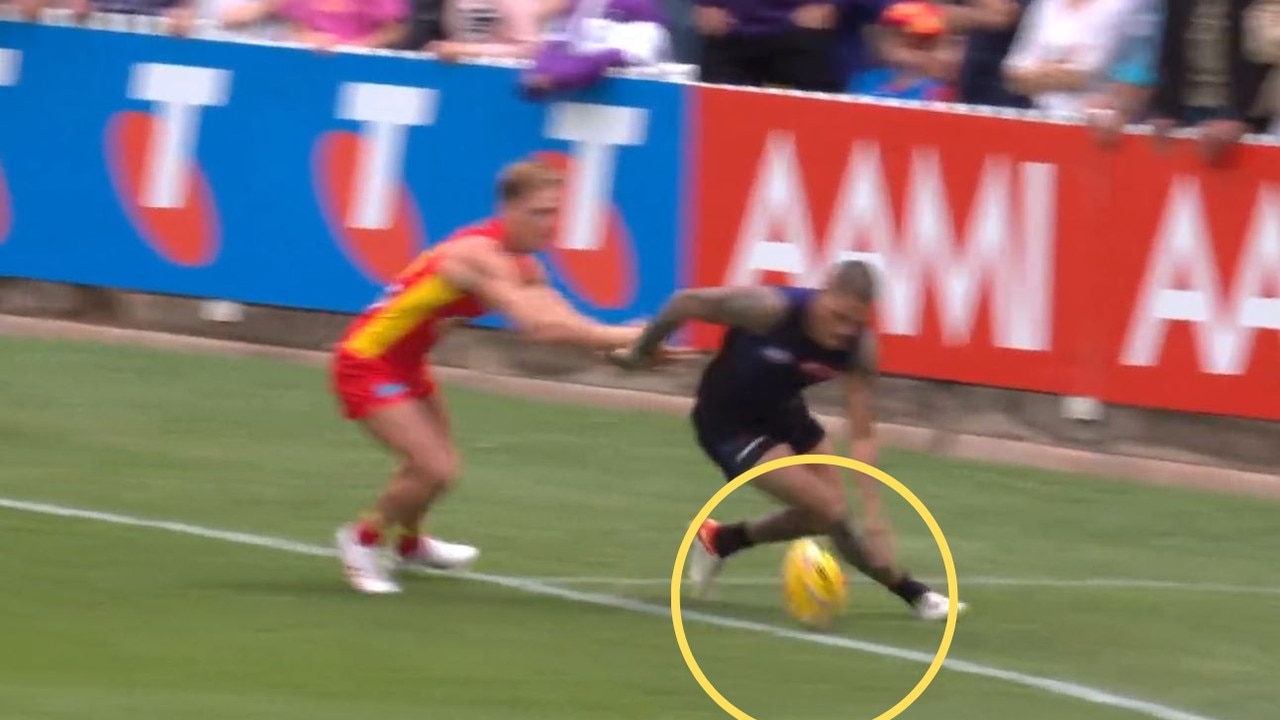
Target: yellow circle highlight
[677, 620]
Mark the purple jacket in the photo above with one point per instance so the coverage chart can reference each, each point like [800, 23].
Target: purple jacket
[570, 58]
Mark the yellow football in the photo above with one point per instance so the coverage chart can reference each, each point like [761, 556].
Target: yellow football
[814, 589]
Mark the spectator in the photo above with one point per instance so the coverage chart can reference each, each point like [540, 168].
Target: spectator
[949, 61]
[329, 24]
[1262, 45]
[425, 25]
[911, 45]
[783, 43]
[989, 27]
[30, 9]
[855, 33]
[684, 37]
[488, 28]
[1133, 75]
[180, 14]
[273, 29]
[1063, 49]
[585, 39]
[1206, 81]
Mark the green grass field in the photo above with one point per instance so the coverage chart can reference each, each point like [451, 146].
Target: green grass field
[1090, 598]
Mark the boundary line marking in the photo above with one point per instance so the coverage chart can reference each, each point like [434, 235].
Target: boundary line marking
[1101, 583]
[1062, 688]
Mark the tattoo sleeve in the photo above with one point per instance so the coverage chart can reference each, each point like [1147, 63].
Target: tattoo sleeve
[752, 308]
[869, 356]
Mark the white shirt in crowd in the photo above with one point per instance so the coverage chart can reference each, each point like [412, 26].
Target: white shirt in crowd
[1082, 33]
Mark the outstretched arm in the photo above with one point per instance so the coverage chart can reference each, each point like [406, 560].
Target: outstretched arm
[863, 446]
[537, 310]
[752, 308]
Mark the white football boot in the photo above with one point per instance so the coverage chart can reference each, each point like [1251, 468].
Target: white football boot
[934, 606]
[364, 565]
[704, 564]
[436, 554]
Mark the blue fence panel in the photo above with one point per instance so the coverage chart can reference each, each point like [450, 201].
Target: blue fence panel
[280, 176]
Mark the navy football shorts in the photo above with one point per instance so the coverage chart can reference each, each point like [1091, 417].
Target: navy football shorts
[736, 444]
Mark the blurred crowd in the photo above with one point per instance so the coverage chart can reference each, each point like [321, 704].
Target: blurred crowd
[1171, 63]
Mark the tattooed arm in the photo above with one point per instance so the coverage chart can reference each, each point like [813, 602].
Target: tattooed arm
[751, 308]
[864, 448]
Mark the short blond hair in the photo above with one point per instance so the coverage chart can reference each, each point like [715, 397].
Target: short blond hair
[523, 177]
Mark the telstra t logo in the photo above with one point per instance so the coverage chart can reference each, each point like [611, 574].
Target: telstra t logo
[154, 165]
[359, 177]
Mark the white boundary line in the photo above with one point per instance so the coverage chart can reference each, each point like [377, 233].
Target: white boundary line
[1096, 583]
[1053, 686]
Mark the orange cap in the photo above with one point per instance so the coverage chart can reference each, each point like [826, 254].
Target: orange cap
[914, 17]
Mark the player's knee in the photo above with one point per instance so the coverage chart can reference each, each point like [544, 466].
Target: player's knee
[831, 511]
[434, 467]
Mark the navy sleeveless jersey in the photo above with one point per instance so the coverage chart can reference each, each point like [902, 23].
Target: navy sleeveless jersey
[754, 375]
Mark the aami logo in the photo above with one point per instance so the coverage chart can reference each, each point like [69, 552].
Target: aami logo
[1001, 257]
[359, 180]
[593, 251]
[1183, 283]
[153, 163]
[10, 67]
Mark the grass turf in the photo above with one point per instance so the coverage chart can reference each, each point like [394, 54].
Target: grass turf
[106, 622]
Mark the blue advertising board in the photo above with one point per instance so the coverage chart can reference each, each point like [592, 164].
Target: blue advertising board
[276, 175]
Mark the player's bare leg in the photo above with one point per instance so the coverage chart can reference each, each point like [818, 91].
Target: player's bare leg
[429, 467]
[807, 498]
[414, 547]
[412, 526]
[850, 543]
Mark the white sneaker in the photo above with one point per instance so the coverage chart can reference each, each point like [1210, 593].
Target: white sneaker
[934, 606]
[440, 555]
[363, 565]
[704, 564]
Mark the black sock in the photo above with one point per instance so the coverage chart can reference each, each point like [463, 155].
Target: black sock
[909, 589]
[729, 539]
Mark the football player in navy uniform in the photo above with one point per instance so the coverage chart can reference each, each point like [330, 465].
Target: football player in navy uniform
[750, 409]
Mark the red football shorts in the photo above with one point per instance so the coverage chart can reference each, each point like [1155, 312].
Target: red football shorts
[364, 385]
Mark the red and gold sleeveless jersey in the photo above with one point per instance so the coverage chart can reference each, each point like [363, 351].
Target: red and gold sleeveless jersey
[404, 323]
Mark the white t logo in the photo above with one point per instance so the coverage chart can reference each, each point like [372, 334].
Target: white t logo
[385, 113]
[594, 131]
[178, 92]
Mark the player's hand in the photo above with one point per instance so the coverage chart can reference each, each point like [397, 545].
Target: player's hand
[627, 359]
[668, 354]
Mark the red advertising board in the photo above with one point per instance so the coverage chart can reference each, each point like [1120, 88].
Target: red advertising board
[1013, 253]
[1193, 278]
[970, 218]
